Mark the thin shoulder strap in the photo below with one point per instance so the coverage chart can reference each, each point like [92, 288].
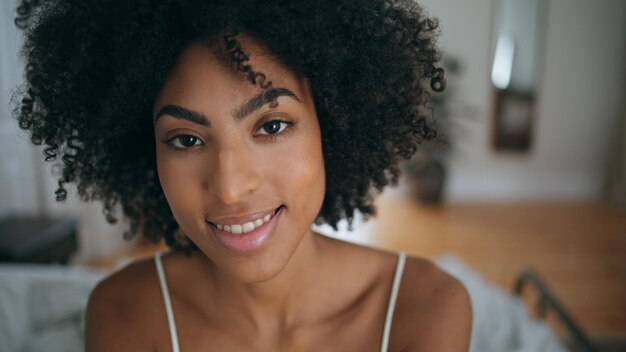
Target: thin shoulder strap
[392, 301]
[166, 299]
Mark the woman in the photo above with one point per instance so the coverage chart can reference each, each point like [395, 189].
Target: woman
[227, 130]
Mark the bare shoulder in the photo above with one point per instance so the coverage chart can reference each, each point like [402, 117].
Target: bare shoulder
[119, 316]
[433, 311]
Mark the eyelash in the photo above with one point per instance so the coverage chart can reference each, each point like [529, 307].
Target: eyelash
[282, 131]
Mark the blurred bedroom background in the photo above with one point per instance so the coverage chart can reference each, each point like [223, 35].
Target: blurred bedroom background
[529, 190]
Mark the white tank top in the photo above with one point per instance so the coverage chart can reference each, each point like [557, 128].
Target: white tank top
[388, 319]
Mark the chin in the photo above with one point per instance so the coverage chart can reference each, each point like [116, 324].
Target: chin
[259, 273]
[259, 266]
[256, 269]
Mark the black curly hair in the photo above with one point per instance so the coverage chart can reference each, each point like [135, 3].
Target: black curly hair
[94, 68]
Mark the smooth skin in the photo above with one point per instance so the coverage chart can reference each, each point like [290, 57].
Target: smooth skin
[300, 291]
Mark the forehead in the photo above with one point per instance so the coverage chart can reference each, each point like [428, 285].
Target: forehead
[204, 78]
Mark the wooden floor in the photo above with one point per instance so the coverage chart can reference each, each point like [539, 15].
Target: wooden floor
[578, 248]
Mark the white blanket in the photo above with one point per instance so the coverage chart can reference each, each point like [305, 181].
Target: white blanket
[500, 322]
[42, 307]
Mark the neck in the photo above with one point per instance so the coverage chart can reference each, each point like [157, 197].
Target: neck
[285, 300]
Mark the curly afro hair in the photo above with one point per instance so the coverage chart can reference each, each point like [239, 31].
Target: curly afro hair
[94, 68]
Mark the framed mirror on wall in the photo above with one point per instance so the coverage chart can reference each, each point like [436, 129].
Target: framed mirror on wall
[518, 39]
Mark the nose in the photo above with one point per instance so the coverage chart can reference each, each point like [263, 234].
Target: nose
[235, 175]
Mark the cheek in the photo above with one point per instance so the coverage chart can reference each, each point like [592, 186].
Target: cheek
[176, 176]
[300, 174]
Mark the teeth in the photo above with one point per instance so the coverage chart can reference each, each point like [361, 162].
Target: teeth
[245, 228]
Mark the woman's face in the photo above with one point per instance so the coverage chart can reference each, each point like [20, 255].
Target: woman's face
[244, 177]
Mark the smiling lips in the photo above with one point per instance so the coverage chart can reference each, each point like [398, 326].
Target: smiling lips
[249, 236]
[248, 226]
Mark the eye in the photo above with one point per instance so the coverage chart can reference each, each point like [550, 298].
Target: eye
[273, 127]
[184, 141]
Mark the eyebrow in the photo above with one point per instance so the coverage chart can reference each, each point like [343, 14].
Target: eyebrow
[264, 97]
[184, 114]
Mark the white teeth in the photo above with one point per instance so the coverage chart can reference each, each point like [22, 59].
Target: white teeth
[236, 229]
[245, 228]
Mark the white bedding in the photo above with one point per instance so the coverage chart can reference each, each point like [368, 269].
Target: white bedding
[42, 309]
[500, 322]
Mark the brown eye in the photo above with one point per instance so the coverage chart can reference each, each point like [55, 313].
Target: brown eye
[185, 141]
[273, 128]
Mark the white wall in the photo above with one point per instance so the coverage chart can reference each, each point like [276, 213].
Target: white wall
[18, 186]
[578, 106]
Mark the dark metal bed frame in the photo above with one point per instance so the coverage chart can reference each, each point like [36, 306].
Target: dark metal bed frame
[548, 302]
